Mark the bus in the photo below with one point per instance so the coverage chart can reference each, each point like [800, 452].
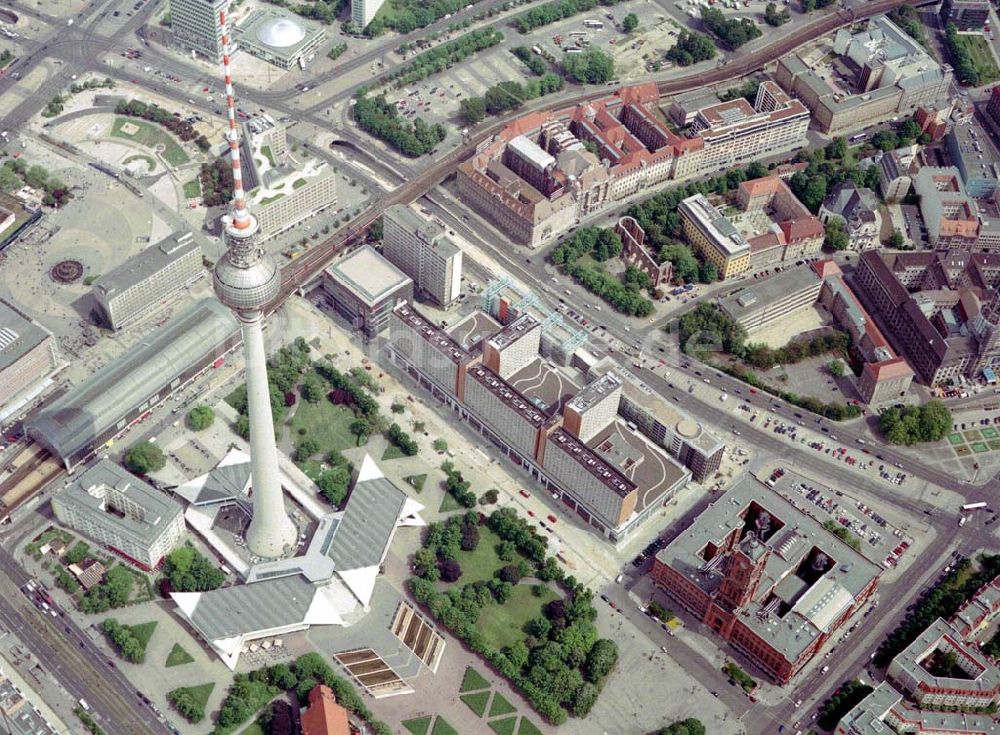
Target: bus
[858, 138]
[578, 34]
[973, 506]
[593, 24]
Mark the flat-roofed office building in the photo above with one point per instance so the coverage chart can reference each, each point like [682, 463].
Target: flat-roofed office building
[195, 26]
[423, 251]
[28, 355]
[115, 508]
[364, 288]
[142, 282]
[709, 232]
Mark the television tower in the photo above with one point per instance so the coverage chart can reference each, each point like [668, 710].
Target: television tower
[246, 279]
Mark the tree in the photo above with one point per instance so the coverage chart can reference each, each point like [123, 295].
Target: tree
[145, 457]
[313, 388]
[630, 22]
[510, 573]
[361, 429]
[200, 418]
[440, 445]
[691, 48]
[734, 32]
[584, 699]
[593, 66]
[188, 570]
[333, 484]
[836, 148]
[472, 110]
[836, 236]
[601, 660]
[836, 368]
[306, 449]
[450, 570]
[885, 140]
[914, 424]
[774, 17]
[707, 272]
[896, 239]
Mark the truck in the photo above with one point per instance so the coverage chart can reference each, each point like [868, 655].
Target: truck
[84, 705]
[973, 506]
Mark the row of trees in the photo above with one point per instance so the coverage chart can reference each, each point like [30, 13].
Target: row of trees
[929, 422]
[843, 533]
[126, 643]
[691, 47]
[747, 90]
[810, 5]
[733, 32]
[592, 66]
[250, 692]
[940, 601]
[832, 411]
[188, 570]
[507, 96]
[172, 122]
[965, 66]
[760, 355]
[907, 18]
[561, 663]
[446, 55]
[16, 173]
[457, 486]
[530, 59]
[401, 440]
[378, 117]
[555, 11]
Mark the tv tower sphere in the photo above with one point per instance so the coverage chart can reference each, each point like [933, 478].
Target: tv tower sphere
[246, 279]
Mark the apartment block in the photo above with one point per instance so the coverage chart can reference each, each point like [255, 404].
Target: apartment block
[765, 577]
[428, 354]
[504, 410]
[112, 507]
[882, 73]
[141, 283]
[195, 26]
[594, 408]
[514, 346]
[714, 236]
[29, 355]
[424, 252]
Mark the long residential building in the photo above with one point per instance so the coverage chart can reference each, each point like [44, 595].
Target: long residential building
[882, 73]
[424, 252]
[765, 577]
[142, 282]
[29, 356]
[567, 438]
[714, 236]
[111, 506]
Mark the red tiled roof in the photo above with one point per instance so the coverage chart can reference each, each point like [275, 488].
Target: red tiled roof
[802, 229]
[826, 268]
[888, 369]
[324, 716]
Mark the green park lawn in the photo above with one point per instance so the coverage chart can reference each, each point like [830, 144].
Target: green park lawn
[192, 189]
[990, 433]
[528, 728]
[500, 706]
[143, 632]
[505, 726]
[955, 438]
[325, 422]
[477, 701]
[200, 693]
[473, 681]
[392, 452]
[418, 726]
[501, 624]
[416, 482]
[979, 49]
[441, 727]
[151, 136]
[980, 447]
[449, 504]
[480, 564]
[178, 656]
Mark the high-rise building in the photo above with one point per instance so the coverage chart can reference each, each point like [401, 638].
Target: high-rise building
[514, 346]
[423, 251]
[144, 280]
[113, 507]
[364, 288]
[363, 11]
[196, 26]
[246, 280]
[591, 410]
[28, 355]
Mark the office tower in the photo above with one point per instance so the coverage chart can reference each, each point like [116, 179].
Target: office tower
[196, 26]
[246, 280]
[423, 251]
